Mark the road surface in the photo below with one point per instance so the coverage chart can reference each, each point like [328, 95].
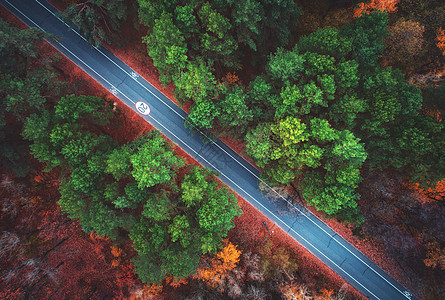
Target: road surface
[234, 171]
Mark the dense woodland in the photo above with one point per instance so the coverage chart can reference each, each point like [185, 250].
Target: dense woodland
[340, 102]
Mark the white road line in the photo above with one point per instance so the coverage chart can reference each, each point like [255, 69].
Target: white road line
[304, 214]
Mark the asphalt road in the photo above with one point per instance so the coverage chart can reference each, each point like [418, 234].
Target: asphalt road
[235, 171]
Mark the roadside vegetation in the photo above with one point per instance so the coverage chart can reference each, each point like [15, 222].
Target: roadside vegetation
[339, 103]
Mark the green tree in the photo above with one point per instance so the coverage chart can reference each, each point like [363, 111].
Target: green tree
[149, 10]
[26, 82]
[367, 34]
[172, 243]
[285, 65]
[166, 46]
[261, 100]
[199, 85]
[280, 21]
[154, 162]
[259, 144]
[233, 107]
[186, 20]
[99, 20]
[247, 17]
[196, 83]
[327, 41]
[193, 187]
[217, 43]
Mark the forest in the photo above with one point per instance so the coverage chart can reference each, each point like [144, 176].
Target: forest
[339, 103]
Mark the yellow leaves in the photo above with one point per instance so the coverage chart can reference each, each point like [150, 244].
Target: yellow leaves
[383, 5]
[291, 130]
[440, 38]
[226, 260]
[229, 257]
[327, 293]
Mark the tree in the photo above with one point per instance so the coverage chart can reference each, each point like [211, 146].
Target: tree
[98, 20]
[149, 11]
[367, 35]
[404, 42]
[247, 17]
[415, 148]
[285, 65]
[234, 111]
[261, 100]
[291, 131]
[281, 19]
[154, 162]
[196, 83]
[259, 144]
[217, 44]
[326, 41]
[434, 99]
[193, 187]
[173, 244]
[441, 40]
[435, 256]
[26, 82]
[166, 46]
[219, 267]
[199, 85]
[186, 20]
[373, 5]
[386, 93]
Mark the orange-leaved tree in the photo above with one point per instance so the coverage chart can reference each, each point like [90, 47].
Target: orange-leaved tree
[116, 252]
[232, 79]
[435, 257]
[383, 5]
[219, 267]
[440, 38]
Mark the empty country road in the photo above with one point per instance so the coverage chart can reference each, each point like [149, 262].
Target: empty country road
[233, 170]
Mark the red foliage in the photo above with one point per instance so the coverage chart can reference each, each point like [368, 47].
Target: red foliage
[383, 5]
[430, 194]
[232, 79]
[251, 234]
[441, 40]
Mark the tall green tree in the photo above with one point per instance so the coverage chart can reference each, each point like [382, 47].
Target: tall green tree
[132, 190]
[99, 20]
[173, 245]
[367, 34]
[26, 84]
[166, 45]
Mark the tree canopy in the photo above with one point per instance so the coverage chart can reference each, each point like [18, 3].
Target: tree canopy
[132, 188]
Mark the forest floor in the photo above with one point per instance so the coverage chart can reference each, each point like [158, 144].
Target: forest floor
[248, 227]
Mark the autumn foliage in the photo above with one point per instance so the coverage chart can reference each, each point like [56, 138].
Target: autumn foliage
[217, 268]
[383, 5]
[435, 256]
[441, 40]
[232, 79]
[430, 194]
